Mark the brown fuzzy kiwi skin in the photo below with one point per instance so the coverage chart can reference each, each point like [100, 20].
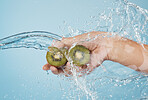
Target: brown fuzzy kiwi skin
[86, 55]
[50, 54]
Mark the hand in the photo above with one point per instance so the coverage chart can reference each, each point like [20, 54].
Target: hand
[96, 46]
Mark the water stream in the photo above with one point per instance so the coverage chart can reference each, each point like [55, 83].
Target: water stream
[125, 19]
[34, 39]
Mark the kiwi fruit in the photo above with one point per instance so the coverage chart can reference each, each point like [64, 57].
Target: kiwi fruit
[80, 55]
[56, 56]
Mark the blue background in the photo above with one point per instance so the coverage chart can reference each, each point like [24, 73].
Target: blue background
[21, 74]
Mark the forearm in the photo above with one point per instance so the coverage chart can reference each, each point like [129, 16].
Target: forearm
[129, 53]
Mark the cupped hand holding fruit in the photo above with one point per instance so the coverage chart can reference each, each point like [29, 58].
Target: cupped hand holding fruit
[87, 42]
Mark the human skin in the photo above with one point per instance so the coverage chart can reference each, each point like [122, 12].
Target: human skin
[103, 46]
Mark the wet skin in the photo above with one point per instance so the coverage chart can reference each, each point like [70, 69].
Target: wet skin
[103, 47]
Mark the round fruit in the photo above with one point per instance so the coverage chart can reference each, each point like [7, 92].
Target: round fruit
[80, 55]
[55, 57]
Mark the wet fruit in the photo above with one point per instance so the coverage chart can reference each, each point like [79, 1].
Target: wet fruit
[80, 55]
[55, 57]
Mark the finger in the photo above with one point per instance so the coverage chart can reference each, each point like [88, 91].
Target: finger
[60, 71]
[56, 70]
[67, 69]
[90, 68]
[46, 67]
[77, 68]
[93, 63]
[97, 57]
[83, 68]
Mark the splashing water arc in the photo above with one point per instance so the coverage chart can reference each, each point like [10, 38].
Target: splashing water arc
[125, 19]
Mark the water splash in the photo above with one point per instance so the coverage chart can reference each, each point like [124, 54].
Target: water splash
[81, 84]
[35, 39]
[125, 19]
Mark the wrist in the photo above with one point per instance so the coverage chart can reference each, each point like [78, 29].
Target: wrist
[113, 48]
[108, 45]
